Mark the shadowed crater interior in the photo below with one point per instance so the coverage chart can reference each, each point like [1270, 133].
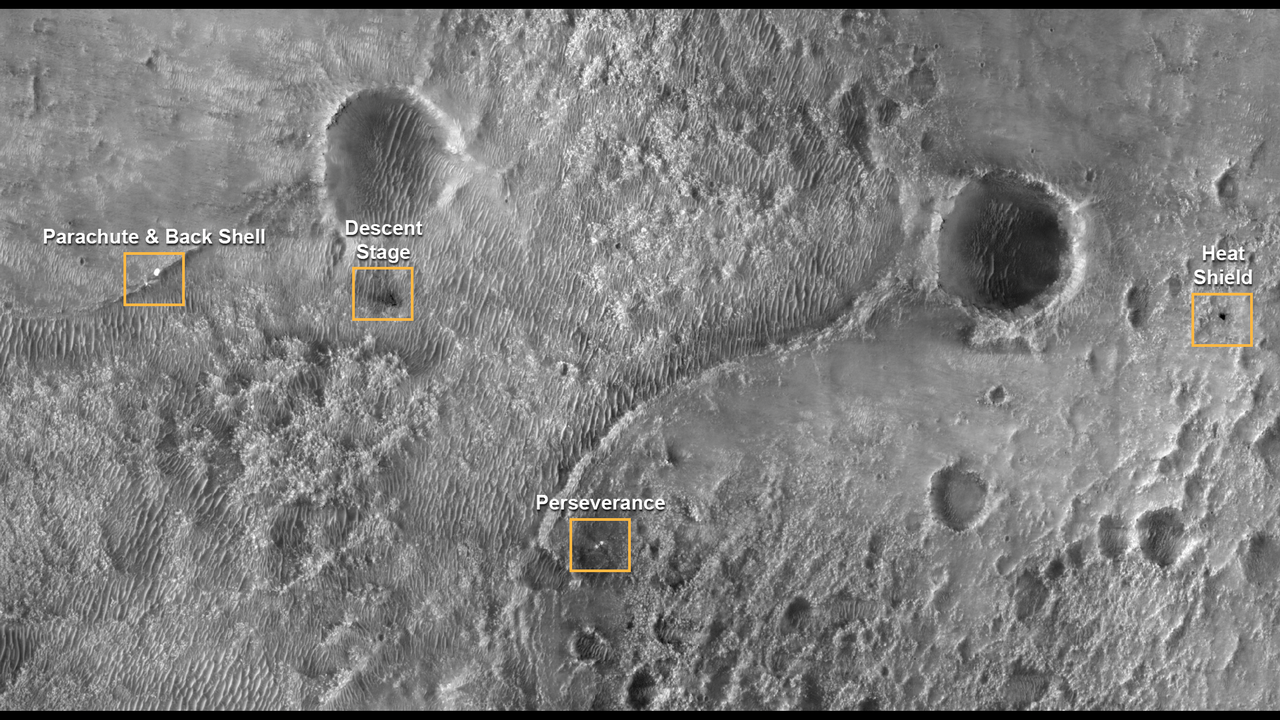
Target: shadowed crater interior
[1004, 244]
[1161, 534]
[957, 497]
[384, 161]
[1261, 559]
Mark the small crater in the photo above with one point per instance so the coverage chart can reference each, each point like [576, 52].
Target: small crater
[1258, 156]
[1260, 559]
[796, 616]
[589, 647]
[875, 550]
[1076, 554]
[1193, 490]
[1268, 446]
[1161, 535]
[871, 703]
[852, 116]
[996, 395]
[1004, 245]
[1113, 537]
[337, 248]
[641, 689]
[1228, 186]
[1024, 687]
[1137, 305]
[671, 631]
[922, 81]
[887, 112]
[1005, 565]
[841, 609]
[958, 497]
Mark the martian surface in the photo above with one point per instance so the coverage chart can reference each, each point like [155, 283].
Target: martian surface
[639, 360]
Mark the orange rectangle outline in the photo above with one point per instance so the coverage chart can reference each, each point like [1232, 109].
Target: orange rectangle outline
[381, 267]
[1227, 345]
[626, 520]
[124, 281]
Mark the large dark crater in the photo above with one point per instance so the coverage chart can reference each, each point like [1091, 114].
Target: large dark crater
[1005, 244]
[384, 158]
